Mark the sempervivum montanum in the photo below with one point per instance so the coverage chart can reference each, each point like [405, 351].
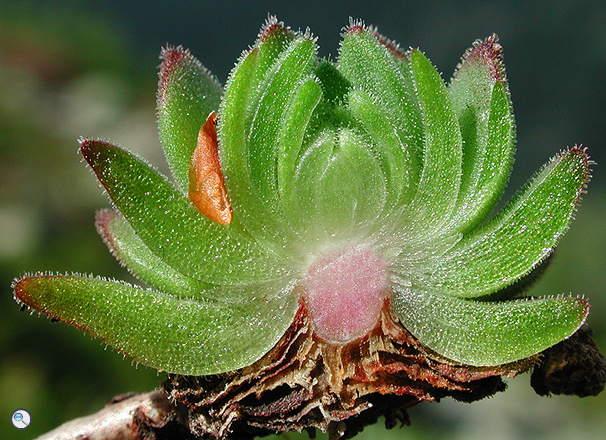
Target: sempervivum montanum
[325, 254]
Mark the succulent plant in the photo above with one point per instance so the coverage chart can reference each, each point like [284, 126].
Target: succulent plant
[321, 209]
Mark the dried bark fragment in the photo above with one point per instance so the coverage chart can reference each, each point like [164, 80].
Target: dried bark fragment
[305, 383]
[575, 366]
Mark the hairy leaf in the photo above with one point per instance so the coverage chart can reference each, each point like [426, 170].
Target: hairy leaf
[187, 93]
[161, 331]
[488, 333]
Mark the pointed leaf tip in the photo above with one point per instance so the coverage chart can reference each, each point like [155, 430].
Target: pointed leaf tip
[355, 29]
[488, 53]
[89, 148]
[30, 291]
[520, 236]
[20, 290]
[581, 152]
[356, 26]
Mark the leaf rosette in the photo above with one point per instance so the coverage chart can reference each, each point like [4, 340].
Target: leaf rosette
[340, 187]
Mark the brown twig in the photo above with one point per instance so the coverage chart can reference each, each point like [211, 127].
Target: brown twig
[148, 416]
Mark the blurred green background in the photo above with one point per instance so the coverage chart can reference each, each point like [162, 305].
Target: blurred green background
[84, 68]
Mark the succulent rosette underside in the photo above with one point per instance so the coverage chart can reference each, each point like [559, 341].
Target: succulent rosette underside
[354, 185]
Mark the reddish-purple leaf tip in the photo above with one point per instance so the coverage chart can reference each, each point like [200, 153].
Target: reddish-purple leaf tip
[103, 218]
[89, 148]
[172, 58]
[26, 291]
[20, 291]
[587, 162]
[355, 29]
[391, 46]
[272, 28]
[490, 53]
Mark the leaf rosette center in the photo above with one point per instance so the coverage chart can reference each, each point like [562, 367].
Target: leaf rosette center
[344, 292]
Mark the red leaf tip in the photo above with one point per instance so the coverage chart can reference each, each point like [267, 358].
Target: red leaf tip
[581, 151]
[88, 148]
[172, 58]
[103, 218]
[94, 150]
[273, 27]
[22, 290]
[355, 27]
[490, 53]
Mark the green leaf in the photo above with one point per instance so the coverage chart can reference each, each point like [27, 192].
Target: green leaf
[483, 106]
[284, 78]
[161, 331]
[187, 93]
[335, 86]
[172, 228]
[274, 39]
[352, 188]
[519, 238]
[130, 251]
[370, 66]
[235, 113]
[440, 179]
[305, 214]
[340, 187]
[291, 140]
[488, 334]
[395, 158]
[254, 120]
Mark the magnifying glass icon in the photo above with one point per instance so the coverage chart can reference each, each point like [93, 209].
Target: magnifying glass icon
[21, 419]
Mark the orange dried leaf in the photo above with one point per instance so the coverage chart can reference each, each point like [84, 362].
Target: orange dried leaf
[206, 185]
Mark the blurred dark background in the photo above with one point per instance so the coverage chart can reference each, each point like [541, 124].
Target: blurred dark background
[84, 68]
